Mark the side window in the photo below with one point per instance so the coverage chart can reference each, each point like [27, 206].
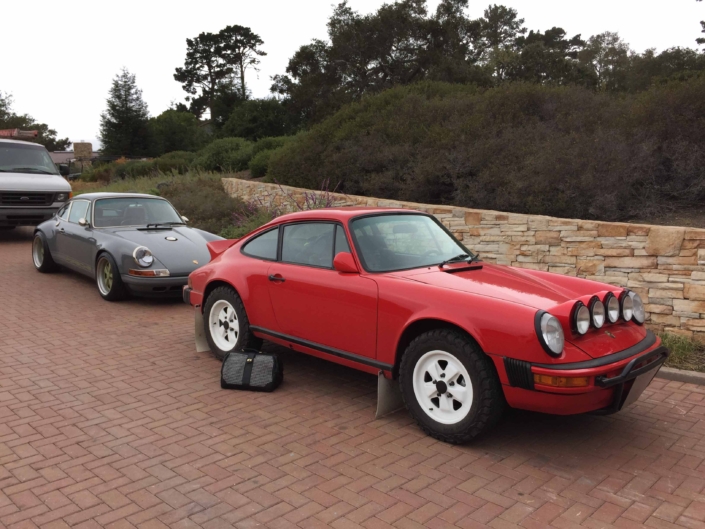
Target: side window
[308, 243]
[263, 246]
[78, 211]
[63, 213]
[341, 242]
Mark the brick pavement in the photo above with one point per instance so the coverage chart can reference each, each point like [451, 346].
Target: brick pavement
[108, 418]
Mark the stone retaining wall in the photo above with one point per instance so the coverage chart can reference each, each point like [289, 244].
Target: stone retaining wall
[665, 265]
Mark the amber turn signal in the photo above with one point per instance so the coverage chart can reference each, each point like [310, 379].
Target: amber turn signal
[561, 382]
[148, 273]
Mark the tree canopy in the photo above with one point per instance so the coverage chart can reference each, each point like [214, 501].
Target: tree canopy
[216, 64]
[124, 126]
[46, 135]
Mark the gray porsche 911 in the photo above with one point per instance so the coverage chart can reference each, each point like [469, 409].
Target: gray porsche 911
[128, 243]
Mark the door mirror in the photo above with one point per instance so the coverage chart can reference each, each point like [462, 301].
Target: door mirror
[345, 263]
[185, 219]
[83, 222]
[63, 169]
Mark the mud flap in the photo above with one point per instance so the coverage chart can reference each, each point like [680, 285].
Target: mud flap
[198, 332]
[389, 397]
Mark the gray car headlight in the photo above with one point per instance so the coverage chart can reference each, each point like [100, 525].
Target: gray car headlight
[143, 256]
[550, 333]
[638, 311]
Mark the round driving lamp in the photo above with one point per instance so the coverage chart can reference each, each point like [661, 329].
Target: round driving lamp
[612, 305]
[143, 257]
[550, 333]
[638, 311]
[597, 313]
[581, 318]
[627, 306]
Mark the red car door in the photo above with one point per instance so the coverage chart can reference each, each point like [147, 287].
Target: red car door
[312, 301]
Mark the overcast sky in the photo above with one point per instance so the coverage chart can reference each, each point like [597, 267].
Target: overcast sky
[58, 58]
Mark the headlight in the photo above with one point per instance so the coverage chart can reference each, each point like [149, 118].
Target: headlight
[627, 306]
[612, 304]
[143, 257]
[638, 311]
[62, 197]
[550, 333]
[597, 313]
[581, 318]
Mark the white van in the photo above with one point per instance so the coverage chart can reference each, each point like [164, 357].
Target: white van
[31, 188]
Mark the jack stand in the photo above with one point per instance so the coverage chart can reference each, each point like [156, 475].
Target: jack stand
[389, 397]
[198, 332]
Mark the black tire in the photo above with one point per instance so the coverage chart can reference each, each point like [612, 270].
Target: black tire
[488, 400]
[113, 289]
[41, 256]
[245, 337]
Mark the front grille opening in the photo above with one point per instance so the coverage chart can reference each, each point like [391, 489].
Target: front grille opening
[18, 198]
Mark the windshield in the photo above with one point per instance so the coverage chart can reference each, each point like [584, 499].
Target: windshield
[30, 159]
[111, 212]
[399, 242]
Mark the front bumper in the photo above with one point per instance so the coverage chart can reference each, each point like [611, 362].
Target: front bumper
[155, 286]
[615, 381]
[18, 216]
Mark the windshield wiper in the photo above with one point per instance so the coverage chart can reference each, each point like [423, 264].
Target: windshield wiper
[457, 259]
[33, 169]
[164, 224]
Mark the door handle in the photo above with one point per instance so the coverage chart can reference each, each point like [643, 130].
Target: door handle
[276, 277]
[62, 230]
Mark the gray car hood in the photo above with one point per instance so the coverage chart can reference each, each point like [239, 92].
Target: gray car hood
[33, 182]
[180, 257]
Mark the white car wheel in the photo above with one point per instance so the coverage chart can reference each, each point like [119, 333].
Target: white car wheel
[38, 252]
[442, 387]
[224, 326]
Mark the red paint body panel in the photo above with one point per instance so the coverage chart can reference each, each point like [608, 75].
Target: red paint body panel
[366, 315]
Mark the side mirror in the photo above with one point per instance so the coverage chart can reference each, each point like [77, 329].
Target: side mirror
[83, 222]
[63, 169]
[185, 219]
[345, 263]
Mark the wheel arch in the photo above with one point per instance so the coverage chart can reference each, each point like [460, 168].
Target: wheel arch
[212, 285]
[419, 327]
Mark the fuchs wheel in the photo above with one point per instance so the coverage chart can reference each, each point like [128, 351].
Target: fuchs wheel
[226, 325]
[450, 386]
[108, 280]
[41, 256]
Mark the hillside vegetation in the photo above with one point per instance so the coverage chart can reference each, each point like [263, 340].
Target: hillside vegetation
[561, 151]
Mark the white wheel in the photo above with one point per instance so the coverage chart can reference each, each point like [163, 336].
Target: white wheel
[38, 252]
[224, 326]
[442, 387]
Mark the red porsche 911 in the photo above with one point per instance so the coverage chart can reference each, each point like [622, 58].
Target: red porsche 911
[393, 292]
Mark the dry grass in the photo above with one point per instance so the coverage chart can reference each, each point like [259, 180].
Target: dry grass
[686, 353]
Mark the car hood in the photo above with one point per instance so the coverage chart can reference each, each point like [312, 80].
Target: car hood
[33, 182]
[501, 282]
[180, 257]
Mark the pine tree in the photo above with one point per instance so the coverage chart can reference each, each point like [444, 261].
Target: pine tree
[124, 125]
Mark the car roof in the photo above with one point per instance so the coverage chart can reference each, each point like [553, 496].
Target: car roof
[28, 143]
[340, 213]
[96, 196]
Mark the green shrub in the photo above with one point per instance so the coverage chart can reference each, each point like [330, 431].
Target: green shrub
[224, 155]
[133, 169]
[259, 162]
[527, 148]
[203, 200]
[177, 161]
[267, 144]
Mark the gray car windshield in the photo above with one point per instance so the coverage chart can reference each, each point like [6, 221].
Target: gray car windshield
[400, 242]
[140, 212]
[21, 158]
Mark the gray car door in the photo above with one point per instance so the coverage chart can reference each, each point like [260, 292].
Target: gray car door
[76, 241]
[61, 219]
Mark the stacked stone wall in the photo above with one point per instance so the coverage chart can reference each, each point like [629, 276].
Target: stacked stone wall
[665, 265]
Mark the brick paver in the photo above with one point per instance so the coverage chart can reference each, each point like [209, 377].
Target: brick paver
[109, 418]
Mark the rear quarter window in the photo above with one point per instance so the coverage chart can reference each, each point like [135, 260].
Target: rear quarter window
[263, 246]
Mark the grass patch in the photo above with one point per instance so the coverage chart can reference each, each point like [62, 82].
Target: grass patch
[686, 353]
